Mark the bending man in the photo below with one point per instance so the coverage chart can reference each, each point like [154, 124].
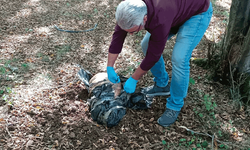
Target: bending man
[188, 19]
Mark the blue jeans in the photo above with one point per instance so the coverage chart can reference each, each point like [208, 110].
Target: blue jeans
[188, 37]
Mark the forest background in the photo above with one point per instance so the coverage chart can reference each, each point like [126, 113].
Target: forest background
[43, 103]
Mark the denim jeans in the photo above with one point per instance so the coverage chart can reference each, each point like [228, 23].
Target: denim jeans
[188, 37]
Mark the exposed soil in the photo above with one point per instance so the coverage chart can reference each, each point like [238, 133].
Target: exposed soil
[44, 103]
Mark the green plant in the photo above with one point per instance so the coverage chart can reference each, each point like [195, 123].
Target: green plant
[3, 70]
[96, 11]
[62, 50]
[183, 140]
[200, 114]
[28, 30]
[164, 142]
[208, 103]
[6, 97]
[25, 66]
[192, 140]
[204, 144]
[198, 145]
[106, 15]
[191, 81]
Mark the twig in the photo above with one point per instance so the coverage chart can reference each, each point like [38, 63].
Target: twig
[201, 134]
[213, 142]
[231, 75]
[226, 143]
[8, 132]
[6, 128]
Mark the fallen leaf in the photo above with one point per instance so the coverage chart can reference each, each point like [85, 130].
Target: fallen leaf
[29, 143]
[141, 125]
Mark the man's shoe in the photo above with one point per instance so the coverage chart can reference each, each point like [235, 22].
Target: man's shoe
[157, 91]
[168, 117]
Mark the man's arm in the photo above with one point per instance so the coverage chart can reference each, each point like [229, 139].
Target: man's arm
[111, 59]
[138, 73]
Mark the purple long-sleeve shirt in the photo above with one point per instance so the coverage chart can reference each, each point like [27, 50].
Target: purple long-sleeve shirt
[163, 16]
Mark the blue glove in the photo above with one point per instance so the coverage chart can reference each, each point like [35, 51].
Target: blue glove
[112, 76]
[130, 85]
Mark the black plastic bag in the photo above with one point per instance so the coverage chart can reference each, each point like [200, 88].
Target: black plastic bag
[106, 106]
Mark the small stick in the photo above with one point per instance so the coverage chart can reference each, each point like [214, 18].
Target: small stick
[226, 143]
[6, 128]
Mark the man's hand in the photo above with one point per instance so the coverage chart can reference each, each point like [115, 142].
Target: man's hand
[130, 85]
[112, 76]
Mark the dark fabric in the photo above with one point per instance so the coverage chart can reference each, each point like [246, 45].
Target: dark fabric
[163, 16]
[84, 76]
[107, 110]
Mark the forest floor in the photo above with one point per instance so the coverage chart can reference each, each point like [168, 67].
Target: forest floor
[43, 103]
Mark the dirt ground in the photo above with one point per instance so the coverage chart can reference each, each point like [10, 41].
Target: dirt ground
[43, 104]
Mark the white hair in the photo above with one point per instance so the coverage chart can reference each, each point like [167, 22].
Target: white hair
[130, 13]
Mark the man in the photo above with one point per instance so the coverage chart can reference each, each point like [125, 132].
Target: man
[162, 19]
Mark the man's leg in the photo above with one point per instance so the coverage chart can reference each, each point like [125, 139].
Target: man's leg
[188, 37]
[159, 72]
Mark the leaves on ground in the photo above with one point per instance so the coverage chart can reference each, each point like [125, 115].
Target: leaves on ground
[43, 104]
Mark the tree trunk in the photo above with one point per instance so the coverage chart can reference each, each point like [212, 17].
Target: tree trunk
[244, 64]
[235, 58]
[235, 46]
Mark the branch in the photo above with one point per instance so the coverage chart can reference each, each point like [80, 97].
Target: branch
[226, 143]
[6, 128]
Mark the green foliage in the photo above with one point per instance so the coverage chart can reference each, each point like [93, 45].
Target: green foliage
[198, 145]
[192, 140]
[6, 96]
[95, 11]
[7, 69]
[106, 15]
[2, 70]
[62, 50]
[80, 16]
[204, 144]
[201, 115]
[28, 30]
[208, 102]
[191, 81]
[183, 140]
[164, 142]
[8, 90]
[25, 66]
